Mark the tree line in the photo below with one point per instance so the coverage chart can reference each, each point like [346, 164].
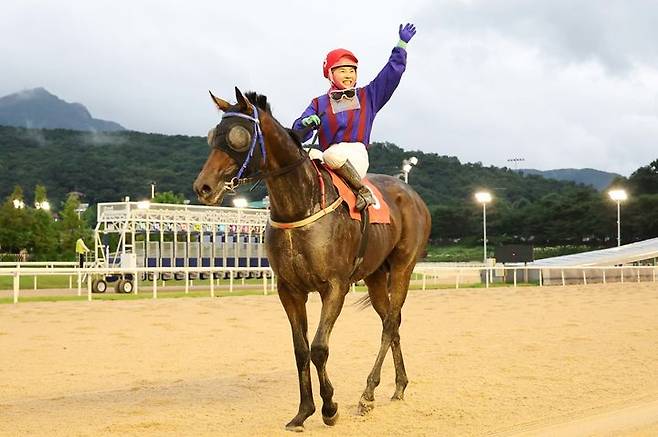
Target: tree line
[37, 232]
[81, 166]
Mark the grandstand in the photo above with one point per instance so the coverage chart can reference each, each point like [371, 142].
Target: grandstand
[582, 267]
[640, 253]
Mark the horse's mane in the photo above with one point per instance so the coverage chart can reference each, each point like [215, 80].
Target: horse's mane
[259, 100]
[261, 103]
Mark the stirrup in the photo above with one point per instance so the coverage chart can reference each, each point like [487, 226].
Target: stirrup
[364, 198]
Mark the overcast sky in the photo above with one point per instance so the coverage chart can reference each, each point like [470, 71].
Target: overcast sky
[559, 83]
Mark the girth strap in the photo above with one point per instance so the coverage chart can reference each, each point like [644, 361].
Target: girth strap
[365, 226]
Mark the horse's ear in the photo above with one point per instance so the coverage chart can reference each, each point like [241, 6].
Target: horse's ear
[223, 105]
[242, 100]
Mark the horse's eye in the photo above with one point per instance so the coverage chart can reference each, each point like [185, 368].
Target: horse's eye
[239, 138]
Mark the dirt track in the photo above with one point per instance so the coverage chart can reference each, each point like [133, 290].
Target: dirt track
[480, 362]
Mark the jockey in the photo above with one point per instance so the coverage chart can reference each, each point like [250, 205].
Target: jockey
[345, 114]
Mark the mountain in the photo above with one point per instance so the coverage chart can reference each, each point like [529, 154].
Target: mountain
[106, 166]
[587, 176]
[110, 165]
[37, 108]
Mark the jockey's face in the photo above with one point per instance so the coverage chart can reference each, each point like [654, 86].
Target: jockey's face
[344, 77]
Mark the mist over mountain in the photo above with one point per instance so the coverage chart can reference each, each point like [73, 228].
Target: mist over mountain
[38, 108]
[587, 176]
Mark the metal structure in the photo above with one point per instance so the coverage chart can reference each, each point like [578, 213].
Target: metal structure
[143, 234]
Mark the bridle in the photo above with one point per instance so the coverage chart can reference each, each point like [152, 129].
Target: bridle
[257, 139]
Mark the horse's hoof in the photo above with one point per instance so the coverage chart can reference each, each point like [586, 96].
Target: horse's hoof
[330, 421]
[397, 397]
[295, 428]
[365, 406]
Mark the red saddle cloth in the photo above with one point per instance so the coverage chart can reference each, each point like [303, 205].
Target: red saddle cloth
[378, 213]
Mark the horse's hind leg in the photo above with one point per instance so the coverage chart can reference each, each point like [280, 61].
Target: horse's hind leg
[377, 289]
[387, 299]
[332, 303]
[398, 289]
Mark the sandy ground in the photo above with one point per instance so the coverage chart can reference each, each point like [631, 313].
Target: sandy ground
[576, 360]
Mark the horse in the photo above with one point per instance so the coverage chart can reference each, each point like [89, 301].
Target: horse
[311, 247]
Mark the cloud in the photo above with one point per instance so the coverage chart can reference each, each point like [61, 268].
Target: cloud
[103, 139]
[33, 135]
[559, 83]
[616, 34]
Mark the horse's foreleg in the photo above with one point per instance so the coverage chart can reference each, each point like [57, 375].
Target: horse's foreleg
[332, 303]
[295, 306]
[377, 289]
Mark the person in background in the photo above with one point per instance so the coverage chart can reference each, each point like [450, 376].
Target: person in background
[345, 114]
[81, 249]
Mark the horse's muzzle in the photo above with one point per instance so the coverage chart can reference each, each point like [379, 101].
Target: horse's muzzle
[209, 195]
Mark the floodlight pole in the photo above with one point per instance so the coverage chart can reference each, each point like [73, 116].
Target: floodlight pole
[618, 223]
[484, 226]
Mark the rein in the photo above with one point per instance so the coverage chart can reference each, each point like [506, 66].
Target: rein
[258, 139]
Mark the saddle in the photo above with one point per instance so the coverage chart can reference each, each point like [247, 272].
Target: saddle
[377, 213]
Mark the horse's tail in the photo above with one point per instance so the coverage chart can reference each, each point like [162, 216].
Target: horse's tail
[363, 302]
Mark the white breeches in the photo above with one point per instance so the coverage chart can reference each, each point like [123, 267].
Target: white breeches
[336, 155]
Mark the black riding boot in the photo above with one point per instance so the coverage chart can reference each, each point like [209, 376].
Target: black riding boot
[351, 176]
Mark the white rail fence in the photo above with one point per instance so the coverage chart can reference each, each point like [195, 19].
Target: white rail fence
[426, 275]
[85, 276]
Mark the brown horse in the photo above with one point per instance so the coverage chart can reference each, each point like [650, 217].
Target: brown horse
[317, 254]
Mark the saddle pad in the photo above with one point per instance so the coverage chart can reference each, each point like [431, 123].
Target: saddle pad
[378, 213]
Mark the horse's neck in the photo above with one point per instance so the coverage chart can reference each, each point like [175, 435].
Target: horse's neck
[295, 194]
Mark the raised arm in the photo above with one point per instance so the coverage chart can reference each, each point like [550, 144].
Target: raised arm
[382, 87]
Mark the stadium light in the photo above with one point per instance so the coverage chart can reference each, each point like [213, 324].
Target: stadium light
[407, 164]
[143, 204]
[240, 202]
[45, 205]
[18, 204]
[618, 196]
[81, 208]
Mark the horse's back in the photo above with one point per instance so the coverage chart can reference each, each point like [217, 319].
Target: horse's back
[402, 200]
[410, 217]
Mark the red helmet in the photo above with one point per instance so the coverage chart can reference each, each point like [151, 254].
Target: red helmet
[337, 58]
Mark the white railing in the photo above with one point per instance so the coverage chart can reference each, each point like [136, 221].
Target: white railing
[51, 264]
[540, 275]
[430, 275]
[86, 276]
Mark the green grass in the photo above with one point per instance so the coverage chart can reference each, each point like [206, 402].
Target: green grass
[59, 281]
[457, 253]
[43, 281]
[453, 254]
[147, 293]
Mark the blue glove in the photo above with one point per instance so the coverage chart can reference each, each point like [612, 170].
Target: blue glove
[407, 32]
[311, 119]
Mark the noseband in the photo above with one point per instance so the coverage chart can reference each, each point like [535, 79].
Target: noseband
[259, 139]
